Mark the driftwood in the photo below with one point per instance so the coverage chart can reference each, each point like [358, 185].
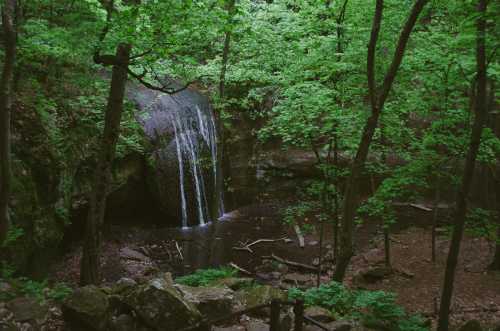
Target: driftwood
[292, 263]
[299, 235]
[240, 269]
[246, 246]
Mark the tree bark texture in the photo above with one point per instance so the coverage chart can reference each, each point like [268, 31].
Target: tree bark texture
[377, 100]
[461, 211]
[91, 249]
[6, 97]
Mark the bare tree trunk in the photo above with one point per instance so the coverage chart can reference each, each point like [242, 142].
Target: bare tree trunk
[377, 104]
[461, 212]
[336, 197]
[6, 96]
[435, 215]
[495, 176]
[91, 249]
[495, 265]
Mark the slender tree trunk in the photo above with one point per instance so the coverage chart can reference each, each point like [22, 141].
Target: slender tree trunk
[495, 176]
[480, 112]
[222, 157]
[336, 197]
[377, 103]
[6, 96]
[91, 249]
[495, 265]
[435, 215]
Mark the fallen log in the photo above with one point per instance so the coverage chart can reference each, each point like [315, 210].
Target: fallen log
[291, 263]
[240, 269]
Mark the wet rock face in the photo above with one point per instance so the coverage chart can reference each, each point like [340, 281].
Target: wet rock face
[184, 174]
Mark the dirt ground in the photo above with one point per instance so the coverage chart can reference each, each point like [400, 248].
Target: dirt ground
[416, 280]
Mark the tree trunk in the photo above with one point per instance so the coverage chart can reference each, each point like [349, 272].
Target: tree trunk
[91, 249]
[495, 265]
[480, 110]
[6, 96]
[495, 176]
[377, 104]
[435, 215]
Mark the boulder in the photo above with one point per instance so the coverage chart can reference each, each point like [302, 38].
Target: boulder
[296, 279]
[260, 295]
[130, 254]
[340, 326]
[123, 322]
[212, 302]
[257, 326]
[123, 284]
[229, 328]
[373, 274]
[28, 309]
[472, 325]
[235, 283]
[158, 304]
[87, 308]
[319, 314]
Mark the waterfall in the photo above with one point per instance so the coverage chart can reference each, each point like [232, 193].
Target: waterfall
[183, 131]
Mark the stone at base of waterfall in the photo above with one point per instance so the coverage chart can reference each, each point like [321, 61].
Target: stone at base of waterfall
[260, 295]
[333, 326]
[472, 325]
[28, 310]
[235, 283]
[158, 304]
[87, 308]
[319, 314]
[212, 302]
[123, 284]
[230, 328]
[257, 326]
[123, 322]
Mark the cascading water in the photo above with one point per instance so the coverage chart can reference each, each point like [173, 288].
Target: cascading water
[183, 132]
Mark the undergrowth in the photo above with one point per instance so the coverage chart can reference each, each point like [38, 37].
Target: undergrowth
[206, 277]
[374, 309]
[40, 290]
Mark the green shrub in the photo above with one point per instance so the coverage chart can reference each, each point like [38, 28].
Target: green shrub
[376, 309]
[59, 292]
[206, 277]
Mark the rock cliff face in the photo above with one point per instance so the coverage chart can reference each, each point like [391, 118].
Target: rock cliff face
[185, 176]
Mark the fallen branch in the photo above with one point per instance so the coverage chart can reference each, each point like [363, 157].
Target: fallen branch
[299, 235]
[246, 247]
[292, 263]
[179, 250]
[421, 207]
[240, 269]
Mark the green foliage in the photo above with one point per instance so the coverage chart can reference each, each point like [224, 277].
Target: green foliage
[40, 290]
[59, 292]
[206, 277]
[13, 234]
[373, 308]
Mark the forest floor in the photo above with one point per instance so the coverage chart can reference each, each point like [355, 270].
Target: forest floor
[135, 253]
